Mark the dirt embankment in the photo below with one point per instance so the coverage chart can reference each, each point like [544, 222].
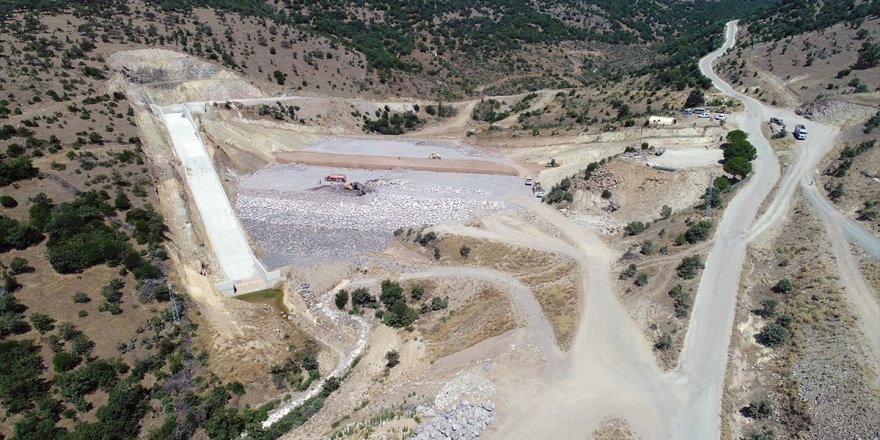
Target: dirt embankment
[390, 163]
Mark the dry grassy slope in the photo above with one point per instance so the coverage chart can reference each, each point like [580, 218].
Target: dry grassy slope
[485, 314]
[816, 381]
[552, 278]
[779, 71]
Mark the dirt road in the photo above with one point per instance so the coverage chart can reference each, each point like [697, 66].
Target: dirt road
[390, 163]
[703, 359]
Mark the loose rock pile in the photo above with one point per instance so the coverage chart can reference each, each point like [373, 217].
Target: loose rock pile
[463, 422]
[301, 227]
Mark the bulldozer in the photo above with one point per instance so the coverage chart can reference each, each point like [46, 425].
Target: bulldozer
[434, 156]
[553, 163]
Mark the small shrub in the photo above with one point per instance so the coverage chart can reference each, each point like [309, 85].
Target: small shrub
[393, 358]
[681, 301]
[664, 343]
[783, 286]
[634, 228]
[464, 251]
[768, 308]
[606, 194]
[417, 293]
[647, 247]
[773, 334]
[81, 298]
[689, 267]
[629, 271]
[8, 201]
[761, 409]
[641, 279]
[680, 239]
[665, 212]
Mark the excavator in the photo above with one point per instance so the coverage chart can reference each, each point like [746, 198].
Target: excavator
[553, 163]
[356, 186]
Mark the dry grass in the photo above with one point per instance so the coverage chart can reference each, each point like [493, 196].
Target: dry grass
[551, 277]
[486, 314]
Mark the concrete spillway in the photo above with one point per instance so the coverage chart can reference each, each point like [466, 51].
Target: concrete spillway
[242, 271]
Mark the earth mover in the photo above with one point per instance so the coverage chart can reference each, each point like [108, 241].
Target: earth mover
[553, 163]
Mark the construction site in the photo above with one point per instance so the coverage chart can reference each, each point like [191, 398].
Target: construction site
[517, 304]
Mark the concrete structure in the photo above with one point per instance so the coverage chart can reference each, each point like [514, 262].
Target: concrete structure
[241, 270]
[661, 120]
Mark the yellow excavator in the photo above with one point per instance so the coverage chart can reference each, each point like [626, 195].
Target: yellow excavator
[553, 163]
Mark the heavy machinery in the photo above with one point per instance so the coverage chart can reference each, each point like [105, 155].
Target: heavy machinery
[553, 163]
[434, 156]
[356, 186]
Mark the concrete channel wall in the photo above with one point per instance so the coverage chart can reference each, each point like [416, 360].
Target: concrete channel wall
[242, 271]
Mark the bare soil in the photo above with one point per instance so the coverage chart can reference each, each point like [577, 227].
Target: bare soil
[390, 163]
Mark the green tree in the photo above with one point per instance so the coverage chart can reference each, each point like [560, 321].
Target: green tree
[361, 297]
[64, 361]
[42, 323]
[21, 382]
[689, 267]
[391, 293]
[738, 166]
[869, 56]
[341, 299]
[741, 148]
[736, 136]
[698, 231]
[721, 184]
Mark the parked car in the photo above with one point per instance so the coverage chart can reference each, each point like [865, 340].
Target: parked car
[687, 111]
[528, 180]
[704, 115]
[721, 116]
[777, 121]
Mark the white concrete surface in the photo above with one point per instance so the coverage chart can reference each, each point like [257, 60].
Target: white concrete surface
[231, 248]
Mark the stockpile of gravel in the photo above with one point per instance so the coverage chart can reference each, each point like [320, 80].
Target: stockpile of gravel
[463, 422]
[304, 226]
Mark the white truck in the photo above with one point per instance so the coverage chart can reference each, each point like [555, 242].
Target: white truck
[800, 132]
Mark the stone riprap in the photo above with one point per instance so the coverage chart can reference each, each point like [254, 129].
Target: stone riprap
[465, 421]
[295, 220]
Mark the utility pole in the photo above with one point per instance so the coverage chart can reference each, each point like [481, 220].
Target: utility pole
[174, 312]
[709, 195]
